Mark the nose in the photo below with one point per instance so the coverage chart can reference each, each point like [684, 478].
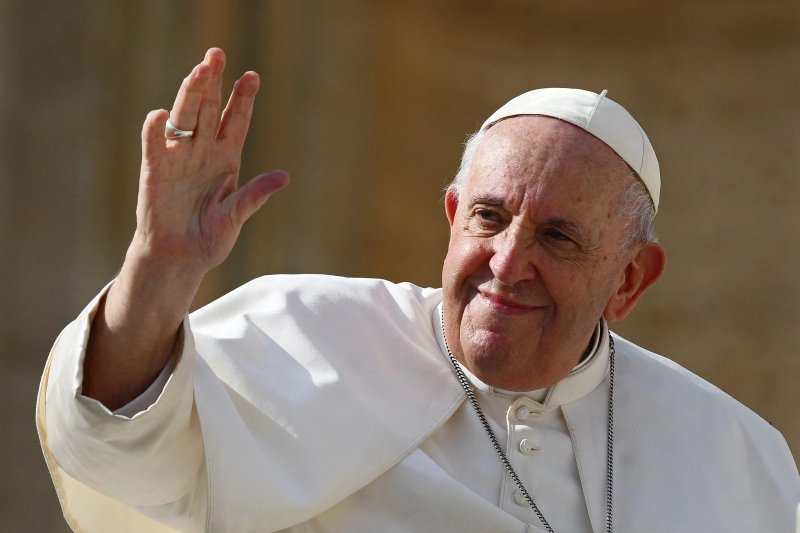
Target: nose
[512, 260]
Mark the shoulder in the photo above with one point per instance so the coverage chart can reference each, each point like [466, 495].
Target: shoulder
[320, 290]
[319, 293]
[676, 422]
[670, 388]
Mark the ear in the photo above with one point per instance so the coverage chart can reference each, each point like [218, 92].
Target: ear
[451, 204]
[643, 270]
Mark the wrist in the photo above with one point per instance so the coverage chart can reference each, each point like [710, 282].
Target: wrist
[162, 270]
[153, 294]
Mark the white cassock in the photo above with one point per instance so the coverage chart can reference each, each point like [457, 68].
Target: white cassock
[323, 404]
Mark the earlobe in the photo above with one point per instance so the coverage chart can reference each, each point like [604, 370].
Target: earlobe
[642, 271]
[451, 204]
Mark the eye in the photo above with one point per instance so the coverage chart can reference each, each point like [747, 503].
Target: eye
[488, 215]
[485, 220]
[557, 235]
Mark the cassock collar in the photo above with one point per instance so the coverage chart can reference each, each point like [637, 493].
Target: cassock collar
[582, 380]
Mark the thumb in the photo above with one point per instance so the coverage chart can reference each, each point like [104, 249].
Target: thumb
[248, 198]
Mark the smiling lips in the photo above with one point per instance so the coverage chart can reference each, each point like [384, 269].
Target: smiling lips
[507, 305]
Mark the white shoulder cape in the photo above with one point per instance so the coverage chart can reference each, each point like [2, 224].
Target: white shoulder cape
[293, 393]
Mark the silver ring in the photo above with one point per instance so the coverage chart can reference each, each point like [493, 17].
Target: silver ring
[171, 132]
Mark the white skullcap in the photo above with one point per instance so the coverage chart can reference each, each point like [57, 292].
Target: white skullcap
[603, 118]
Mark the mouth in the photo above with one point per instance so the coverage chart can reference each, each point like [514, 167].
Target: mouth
[506, 305]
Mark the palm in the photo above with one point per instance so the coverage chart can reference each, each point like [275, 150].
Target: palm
[191, 208]
[181, 202]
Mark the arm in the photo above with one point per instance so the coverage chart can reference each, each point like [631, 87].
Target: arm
[189, 213]
[190, 209]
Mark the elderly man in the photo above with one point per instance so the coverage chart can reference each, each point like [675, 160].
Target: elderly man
[313, 403]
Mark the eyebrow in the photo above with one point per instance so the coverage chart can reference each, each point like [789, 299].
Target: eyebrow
[488, 200]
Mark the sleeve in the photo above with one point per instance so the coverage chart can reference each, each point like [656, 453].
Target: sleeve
[114, 466]
[149, 397]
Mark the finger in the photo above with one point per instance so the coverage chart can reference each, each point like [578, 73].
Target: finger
[187, 102]
[246, 200]
[153, 141]
[208, 117]
[236, 117]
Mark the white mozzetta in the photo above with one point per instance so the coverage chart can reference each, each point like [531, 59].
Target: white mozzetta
[301, 403]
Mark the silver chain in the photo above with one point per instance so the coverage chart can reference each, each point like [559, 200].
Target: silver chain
[462, 379]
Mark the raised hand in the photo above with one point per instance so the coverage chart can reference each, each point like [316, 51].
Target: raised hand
[190, 206]
[189, 213]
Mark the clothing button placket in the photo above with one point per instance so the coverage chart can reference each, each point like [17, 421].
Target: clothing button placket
[523, 440]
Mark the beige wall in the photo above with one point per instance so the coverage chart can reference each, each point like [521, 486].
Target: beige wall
[366, 104]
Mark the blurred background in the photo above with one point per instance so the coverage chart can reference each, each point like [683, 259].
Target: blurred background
[366, 104]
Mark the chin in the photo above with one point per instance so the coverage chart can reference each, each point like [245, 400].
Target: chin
[496, 359]
[489, 353]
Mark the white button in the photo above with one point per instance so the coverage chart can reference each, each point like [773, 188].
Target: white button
[527, 446]
[523, 413]
[519, 498]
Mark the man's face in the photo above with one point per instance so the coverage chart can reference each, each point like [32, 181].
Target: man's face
[535, 251]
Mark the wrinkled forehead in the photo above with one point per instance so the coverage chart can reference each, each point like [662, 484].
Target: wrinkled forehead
[545, 168]
[535, 144]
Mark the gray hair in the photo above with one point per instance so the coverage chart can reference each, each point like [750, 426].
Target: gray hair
[636, 204]
[470, 147]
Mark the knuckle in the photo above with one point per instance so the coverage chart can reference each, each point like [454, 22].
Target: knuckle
[156, 115]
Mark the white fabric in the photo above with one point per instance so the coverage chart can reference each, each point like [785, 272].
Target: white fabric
[146, 399]
[523, 421]
[598, 115]
[315, 396]
[462, 449]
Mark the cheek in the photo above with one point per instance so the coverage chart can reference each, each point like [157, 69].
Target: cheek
[464, 258]
[574, 288]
